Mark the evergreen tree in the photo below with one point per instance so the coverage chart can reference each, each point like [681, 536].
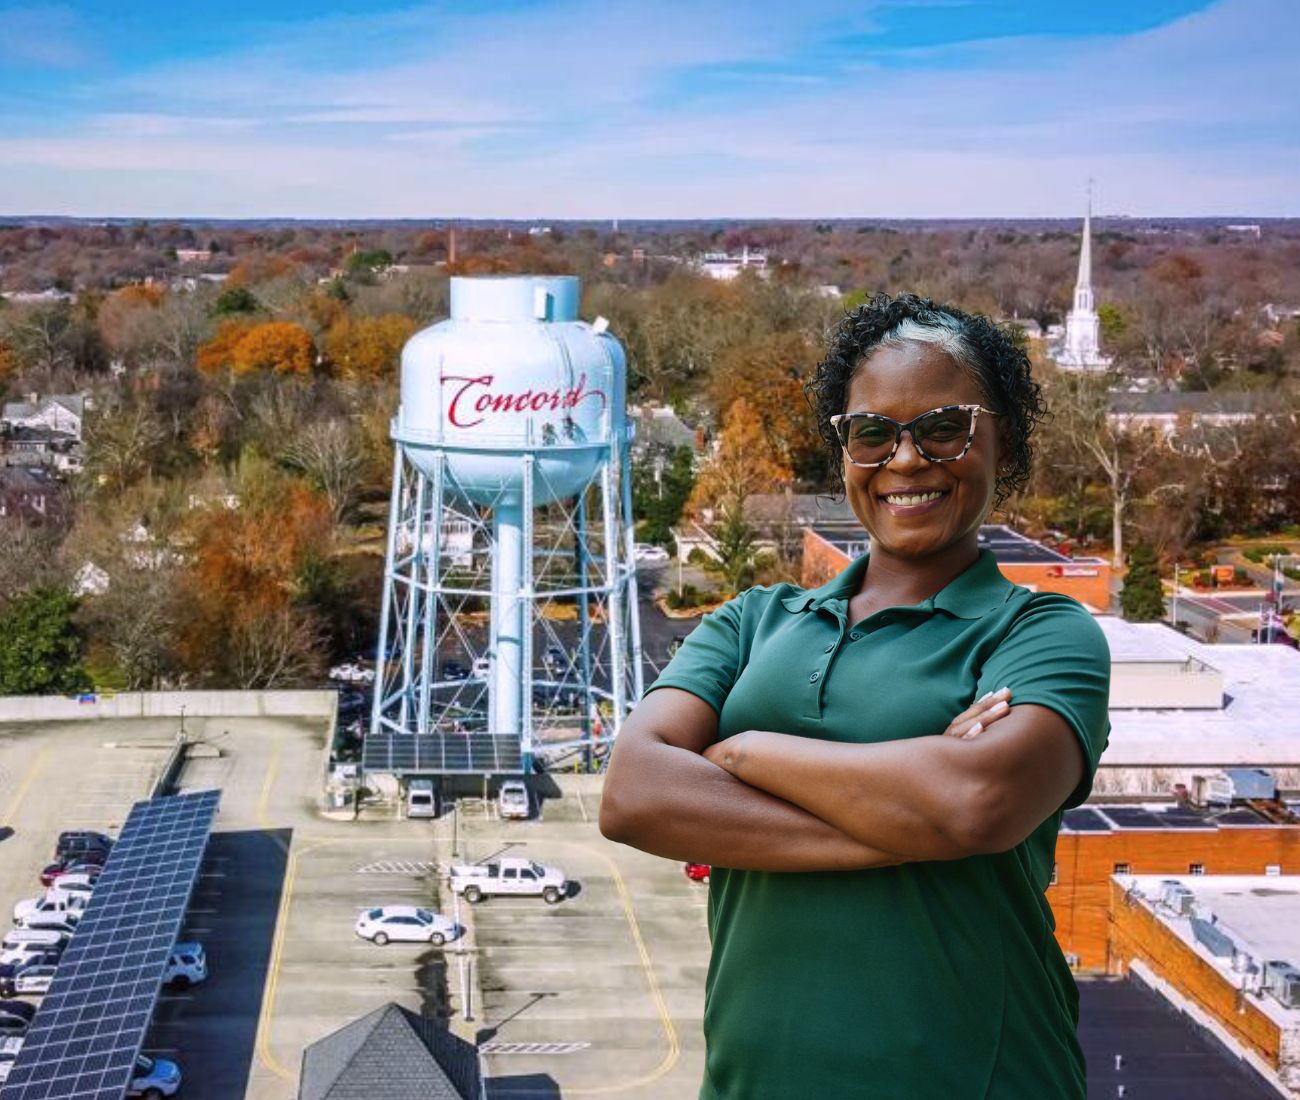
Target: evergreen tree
[40, 645]
[1142, 598]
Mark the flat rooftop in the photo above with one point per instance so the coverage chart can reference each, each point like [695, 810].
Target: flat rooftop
[1260, 914]
[1258, 723]
[1164, 1054]
[1124, 817]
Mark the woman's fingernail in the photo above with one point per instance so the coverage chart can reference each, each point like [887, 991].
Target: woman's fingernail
[984, 696]
[1003, 691]
[976, 728]
[998, 707]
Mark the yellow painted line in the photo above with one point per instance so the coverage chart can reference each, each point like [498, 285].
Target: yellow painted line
[11, 811]
[656, 994]
[264, 1017]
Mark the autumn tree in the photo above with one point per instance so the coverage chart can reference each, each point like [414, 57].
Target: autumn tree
[743, 464]
[122, 442]
[278, 346]
[361, 348]
[251, 625]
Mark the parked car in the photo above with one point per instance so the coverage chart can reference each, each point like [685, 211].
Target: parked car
[697, 872]
[89, 864]
[20, 944]
[10, 1045]
[554, 659]
[476, 881]
[28, 977]
[15, 1016]
[512, 799]
[405, 924]
[64, 923]
[154, 1077]
[63, 904]
[73, 885]
[77, 842]
[481, 668]
[454, 670]
[649, 553]
[557, 695]
[187, 966]
[352, 673]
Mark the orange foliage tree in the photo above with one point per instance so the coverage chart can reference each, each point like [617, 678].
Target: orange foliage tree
[218, 353]
[768, 374]
[279, 346]
[744, 463]
[251, 626]
[367, 347]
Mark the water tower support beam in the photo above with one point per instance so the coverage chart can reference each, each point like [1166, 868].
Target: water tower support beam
[634, 616]
[432, 579]
[613, 588]
[390, 582]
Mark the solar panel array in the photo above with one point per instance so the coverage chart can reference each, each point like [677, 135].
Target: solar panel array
[84, 1041]
[1086, 819]
[442, 753]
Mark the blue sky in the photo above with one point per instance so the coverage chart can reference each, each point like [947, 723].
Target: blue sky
[602, 108]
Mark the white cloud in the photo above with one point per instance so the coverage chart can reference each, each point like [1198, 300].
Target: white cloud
[596, 109]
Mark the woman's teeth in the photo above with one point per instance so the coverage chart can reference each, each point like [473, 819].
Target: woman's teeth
[912, 498]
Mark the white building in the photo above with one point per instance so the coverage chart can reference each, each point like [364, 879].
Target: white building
[725, 267]
[1181, 708]
[1080, 347]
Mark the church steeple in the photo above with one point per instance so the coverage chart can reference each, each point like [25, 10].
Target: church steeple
[1080, 348]
[1083, 284]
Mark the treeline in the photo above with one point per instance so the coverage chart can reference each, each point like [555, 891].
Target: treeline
[227, 526]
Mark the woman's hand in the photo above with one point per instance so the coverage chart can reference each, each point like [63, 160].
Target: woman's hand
[982, 713]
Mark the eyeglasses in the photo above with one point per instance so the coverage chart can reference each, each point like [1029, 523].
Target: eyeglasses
[940, 435]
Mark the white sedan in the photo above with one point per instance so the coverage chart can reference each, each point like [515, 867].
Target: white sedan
[352, 674]
[649, 553]
[406, 924]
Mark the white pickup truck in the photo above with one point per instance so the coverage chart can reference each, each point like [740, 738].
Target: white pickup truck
[476, 881]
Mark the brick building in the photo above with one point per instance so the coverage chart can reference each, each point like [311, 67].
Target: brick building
[1098, 841]
[1223, 950]
[829, 547]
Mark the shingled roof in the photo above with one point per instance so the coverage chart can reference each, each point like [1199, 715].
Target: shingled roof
[391, 1053]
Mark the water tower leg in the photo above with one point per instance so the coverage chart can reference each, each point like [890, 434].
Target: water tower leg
[507, 619]
[383, 684]
[584, 624]
[633, 607]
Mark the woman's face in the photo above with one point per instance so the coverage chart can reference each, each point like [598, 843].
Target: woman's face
[903, 382]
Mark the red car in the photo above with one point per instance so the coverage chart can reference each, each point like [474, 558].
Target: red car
[698, 872]
[82, 864]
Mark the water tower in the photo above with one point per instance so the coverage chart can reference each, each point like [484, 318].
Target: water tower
[509, 627]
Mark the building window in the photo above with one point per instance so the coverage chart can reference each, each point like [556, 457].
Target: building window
[1121, 869]
[1053, 882]
[1272, 868]
[1196, 868]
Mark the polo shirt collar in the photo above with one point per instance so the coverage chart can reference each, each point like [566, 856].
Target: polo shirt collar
[981, 588]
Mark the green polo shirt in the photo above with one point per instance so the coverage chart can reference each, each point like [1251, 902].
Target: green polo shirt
[936, 979]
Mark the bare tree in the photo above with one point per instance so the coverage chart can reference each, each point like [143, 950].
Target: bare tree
[330, 456]
[274, 647]
[1081, 415]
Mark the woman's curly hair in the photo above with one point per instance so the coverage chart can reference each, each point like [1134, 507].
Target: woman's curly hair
[998, 364]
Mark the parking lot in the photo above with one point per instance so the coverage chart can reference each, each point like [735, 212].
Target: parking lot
[601, 993]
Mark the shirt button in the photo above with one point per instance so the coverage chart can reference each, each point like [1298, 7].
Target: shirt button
[830, 648]
[855, 635]
[814, 677]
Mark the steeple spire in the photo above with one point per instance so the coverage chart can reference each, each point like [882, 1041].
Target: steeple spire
[1080, 350]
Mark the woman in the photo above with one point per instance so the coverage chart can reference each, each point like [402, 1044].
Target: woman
[904, 738]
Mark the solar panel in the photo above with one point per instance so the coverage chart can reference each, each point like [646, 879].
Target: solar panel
[1240, 816]
[85, 1038]
[1132, 817]
[1083, 820]
[442, 753]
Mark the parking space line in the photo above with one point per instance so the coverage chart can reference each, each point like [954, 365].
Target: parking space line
[11, 811]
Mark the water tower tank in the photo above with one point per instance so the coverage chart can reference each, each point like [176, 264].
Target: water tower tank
[512, 370]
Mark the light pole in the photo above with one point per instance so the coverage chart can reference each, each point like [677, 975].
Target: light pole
[1173, 610]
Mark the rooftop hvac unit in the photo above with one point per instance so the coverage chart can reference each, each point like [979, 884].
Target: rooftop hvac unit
[1177, 897]
[1282, 981]
[1213, 790]
[1248, 783]
[1216, 942]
